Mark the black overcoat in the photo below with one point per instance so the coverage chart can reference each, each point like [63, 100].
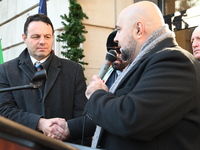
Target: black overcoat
[156, 105]
[63, 91]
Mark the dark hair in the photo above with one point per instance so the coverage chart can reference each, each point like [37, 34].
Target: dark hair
[37, 17]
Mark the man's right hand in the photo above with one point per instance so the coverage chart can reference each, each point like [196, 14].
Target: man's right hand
[55, 128]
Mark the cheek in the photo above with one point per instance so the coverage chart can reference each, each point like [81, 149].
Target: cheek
[121, 39]
[31, 45]
[50, 42]
[197, 56]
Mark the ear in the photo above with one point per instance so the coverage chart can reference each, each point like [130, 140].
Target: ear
[24, 37]
[139, 29]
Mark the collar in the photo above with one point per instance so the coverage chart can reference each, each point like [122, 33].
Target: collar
[35, 60]
[118, 72]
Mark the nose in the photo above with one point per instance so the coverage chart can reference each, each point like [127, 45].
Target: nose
[42, 40]
[116, 38]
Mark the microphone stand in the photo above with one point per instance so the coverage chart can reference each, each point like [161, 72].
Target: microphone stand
[37, 82]
[28, 86]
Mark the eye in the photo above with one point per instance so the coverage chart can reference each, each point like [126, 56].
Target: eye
[35, 36]
[47, 36]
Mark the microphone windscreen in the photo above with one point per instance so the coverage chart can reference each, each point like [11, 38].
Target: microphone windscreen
[111, 56]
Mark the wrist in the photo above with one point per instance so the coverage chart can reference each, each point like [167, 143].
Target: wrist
[40, 124]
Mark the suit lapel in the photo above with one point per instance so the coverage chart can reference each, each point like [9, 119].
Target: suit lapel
[26, 65]
[108, 73]
[53, 72]
[130, 72]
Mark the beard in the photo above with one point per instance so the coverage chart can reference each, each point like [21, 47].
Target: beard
[127, 53]
[119, 64]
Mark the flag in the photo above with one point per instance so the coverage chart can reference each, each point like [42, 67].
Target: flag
[1, 53]
[42, 7]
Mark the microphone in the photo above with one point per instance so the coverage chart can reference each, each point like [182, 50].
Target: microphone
[111, 56]
[37, 82]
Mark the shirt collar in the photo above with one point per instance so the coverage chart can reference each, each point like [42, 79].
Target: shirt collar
[35, 60]
[118, 72]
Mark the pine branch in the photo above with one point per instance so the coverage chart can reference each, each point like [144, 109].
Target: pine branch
[73, 36]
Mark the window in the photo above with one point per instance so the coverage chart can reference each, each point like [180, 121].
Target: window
[181, 16]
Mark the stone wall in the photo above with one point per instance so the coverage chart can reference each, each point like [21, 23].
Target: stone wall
[102, 18]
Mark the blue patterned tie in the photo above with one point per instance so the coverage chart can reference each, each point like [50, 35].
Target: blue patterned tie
[38, 66]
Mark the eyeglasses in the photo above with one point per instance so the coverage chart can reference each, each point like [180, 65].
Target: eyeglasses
[117, 49]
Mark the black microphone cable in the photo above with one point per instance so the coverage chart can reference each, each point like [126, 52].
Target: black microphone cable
[83, 130]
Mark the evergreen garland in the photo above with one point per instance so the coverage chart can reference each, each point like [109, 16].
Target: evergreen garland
[73, 36]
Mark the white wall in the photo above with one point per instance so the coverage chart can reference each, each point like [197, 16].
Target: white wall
[13, 16]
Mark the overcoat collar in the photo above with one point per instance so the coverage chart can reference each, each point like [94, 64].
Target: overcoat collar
[167, 43]
[26, 65]
[52, 65]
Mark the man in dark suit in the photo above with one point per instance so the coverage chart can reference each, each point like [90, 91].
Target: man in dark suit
[117, 66]
[155, 103]
[62, 94]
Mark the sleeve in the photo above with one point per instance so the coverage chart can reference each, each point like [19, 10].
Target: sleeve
[79, 126]
[8, 107]
[80, 98]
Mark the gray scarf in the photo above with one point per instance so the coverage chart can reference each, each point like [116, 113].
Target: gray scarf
[159, 35]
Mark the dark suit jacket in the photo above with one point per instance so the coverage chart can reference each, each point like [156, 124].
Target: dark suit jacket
[156, 105]
[63, 92]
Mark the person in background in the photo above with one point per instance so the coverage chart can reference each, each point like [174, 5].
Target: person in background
[117, 66]
[62, 95]
[154, 104]
[195, 40]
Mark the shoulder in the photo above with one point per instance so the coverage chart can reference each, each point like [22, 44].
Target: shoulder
[11, 63]
[175, 54]
[69, 63]
[64, 62]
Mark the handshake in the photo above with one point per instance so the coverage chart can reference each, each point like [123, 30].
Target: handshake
[55, 128]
